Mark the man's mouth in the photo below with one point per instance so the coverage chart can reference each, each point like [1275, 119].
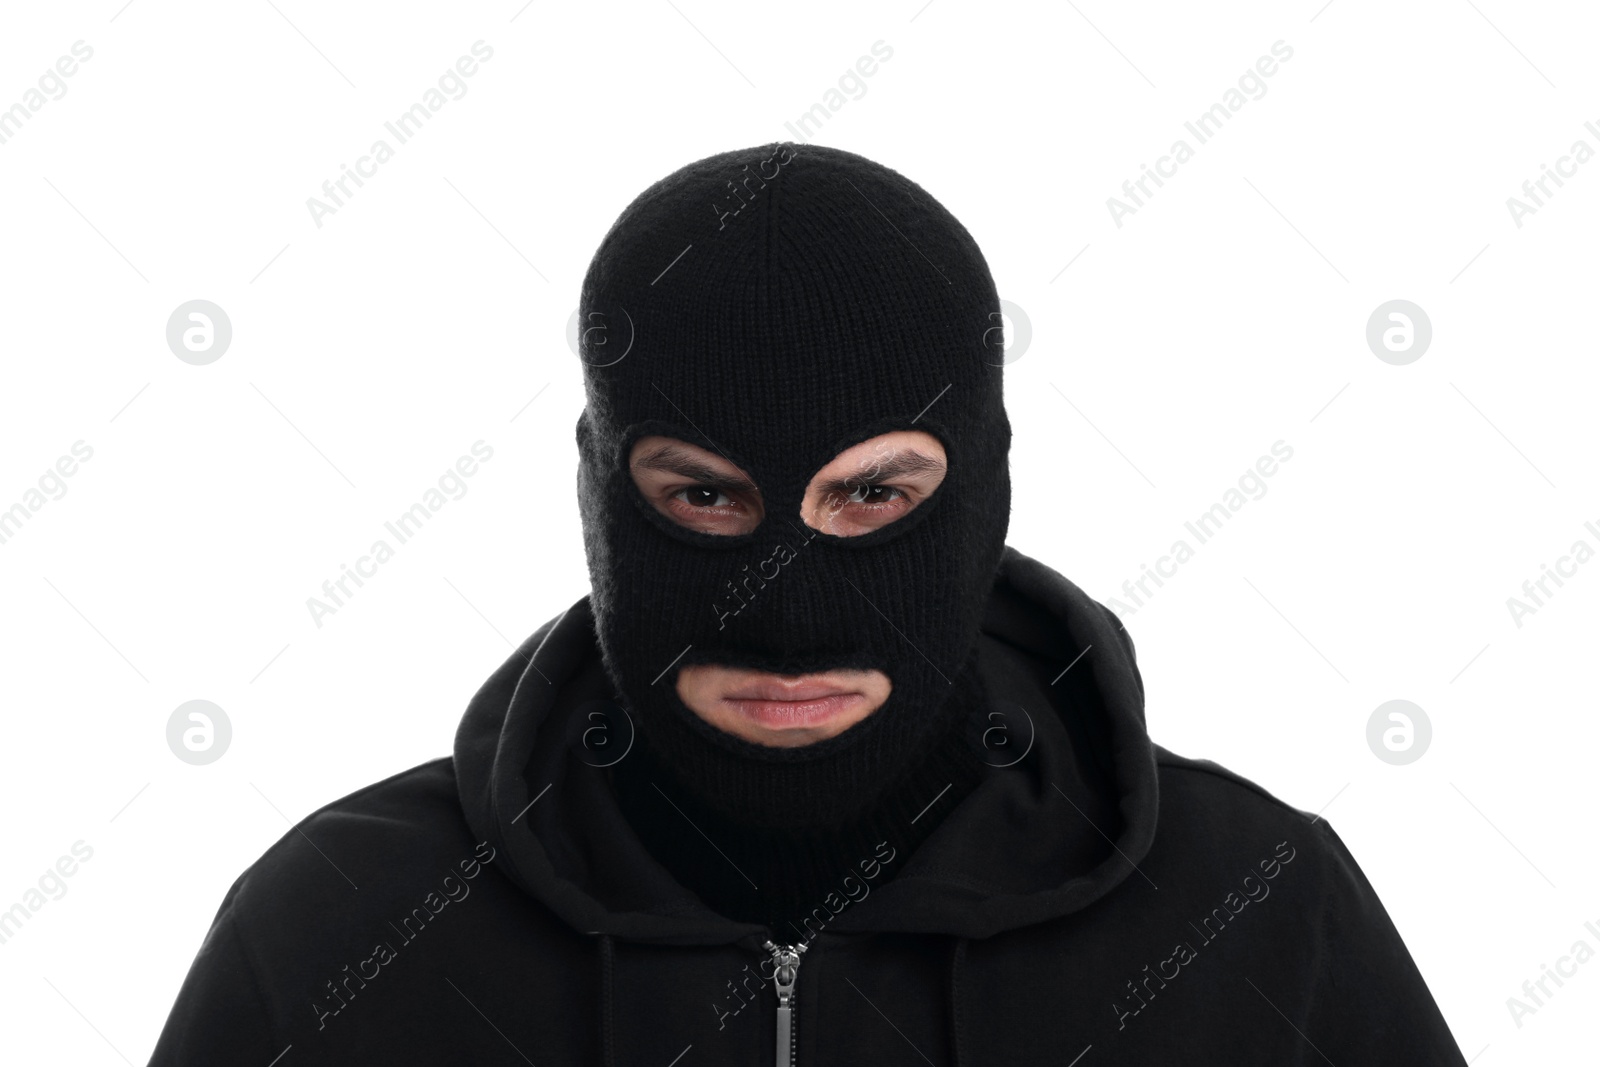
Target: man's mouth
[779, 702]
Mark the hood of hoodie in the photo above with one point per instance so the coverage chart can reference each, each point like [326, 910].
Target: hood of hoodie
[539, 798]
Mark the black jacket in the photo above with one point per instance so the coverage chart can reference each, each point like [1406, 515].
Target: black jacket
[494, 908]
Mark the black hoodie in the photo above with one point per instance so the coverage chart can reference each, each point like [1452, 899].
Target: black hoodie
[495, 908]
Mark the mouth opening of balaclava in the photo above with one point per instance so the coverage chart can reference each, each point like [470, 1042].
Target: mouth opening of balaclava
[777, 306]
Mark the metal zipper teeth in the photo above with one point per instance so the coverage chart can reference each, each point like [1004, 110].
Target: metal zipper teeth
[786, 982]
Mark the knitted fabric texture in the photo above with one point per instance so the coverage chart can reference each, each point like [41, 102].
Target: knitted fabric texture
[778, 305]
[791, 879]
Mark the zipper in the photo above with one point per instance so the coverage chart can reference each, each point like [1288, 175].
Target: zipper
[785, 979]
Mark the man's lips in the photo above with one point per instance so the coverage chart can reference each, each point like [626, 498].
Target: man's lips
[777, 687]
[778, 703]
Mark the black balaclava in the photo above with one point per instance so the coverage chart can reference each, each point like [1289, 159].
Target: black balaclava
[778, 305]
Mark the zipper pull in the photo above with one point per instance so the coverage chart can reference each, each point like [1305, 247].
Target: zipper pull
[785, 976]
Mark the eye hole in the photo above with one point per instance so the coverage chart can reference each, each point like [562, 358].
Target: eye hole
[697, 489]
[870, 485]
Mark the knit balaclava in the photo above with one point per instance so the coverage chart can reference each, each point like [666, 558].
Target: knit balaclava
[776, 306]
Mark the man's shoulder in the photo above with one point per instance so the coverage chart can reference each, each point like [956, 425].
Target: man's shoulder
[421, 800]
[360, 843]
[1184, 777]
[1203, 801]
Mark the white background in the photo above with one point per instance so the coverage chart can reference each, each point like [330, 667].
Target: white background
[1227, 314]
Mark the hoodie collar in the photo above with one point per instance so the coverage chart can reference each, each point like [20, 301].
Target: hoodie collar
[526, 787]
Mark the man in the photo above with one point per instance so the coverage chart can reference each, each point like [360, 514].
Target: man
[820, 771]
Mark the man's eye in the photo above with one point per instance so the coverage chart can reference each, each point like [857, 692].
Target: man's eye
[873, 494]
[703, 496]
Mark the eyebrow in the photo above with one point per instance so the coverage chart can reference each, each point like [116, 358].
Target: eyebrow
[674, 460]
[900, 465]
